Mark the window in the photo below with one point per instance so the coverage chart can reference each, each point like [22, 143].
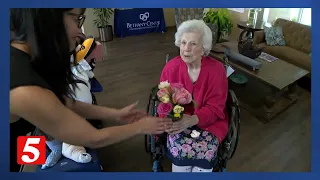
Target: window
[300, 15]
[306, 16]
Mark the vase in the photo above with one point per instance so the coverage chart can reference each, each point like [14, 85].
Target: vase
[106, 33]
[214, 29]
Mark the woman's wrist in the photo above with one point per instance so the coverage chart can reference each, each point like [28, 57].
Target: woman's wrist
[137, 127]
[194, 120]
[113, 113]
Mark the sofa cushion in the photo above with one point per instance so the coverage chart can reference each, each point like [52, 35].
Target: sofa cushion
[274, 36]
[296, 35]
[290, 55]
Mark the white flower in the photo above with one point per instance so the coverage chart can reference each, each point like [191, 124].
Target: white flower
[163, 84]
[195, 134]
[178, 109]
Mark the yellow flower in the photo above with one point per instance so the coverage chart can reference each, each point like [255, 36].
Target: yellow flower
[165, 99]
[176, 115]
[178, 109]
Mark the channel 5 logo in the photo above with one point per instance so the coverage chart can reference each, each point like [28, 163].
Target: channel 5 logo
[31, 150]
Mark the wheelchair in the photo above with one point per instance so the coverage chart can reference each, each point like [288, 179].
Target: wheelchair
[155, 145]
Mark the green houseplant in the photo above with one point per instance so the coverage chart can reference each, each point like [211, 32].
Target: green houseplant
[222, 18]
[102, 23]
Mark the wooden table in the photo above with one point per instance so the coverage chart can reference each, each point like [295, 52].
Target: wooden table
[279, 75]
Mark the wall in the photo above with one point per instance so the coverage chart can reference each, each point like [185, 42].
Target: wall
[88, 26]
[169, 17]
[90, 29]
[236, 17]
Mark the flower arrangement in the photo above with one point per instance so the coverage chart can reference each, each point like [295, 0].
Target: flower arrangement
[173, 99]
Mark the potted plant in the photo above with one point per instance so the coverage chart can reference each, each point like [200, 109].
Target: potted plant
[222, 19]
[102, 23]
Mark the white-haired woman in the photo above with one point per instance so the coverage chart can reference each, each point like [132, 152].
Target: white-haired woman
[206, 79]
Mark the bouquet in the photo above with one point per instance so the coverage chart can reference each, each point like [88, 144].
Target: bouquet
[173, 100]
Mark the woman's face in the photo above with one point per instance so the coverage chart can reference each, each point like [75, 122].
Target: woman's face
[73, 20]
[191, 49]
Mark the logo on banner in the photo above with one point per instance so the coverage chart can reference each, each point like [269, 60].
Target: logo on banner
[144, 16]
[145, 24]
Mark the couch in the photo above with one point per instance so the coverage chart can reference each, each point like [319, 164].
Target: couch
[297, 48]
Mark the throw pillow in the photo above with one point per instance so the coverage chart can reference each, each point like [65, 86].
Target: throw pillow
[274, 36]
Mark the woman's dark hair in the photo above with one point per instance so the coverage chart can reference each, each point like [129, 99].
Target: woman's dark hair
[44, 32]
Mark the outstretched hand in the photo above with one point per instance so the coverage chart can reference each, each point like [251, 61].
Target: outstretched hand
[130, 115]
[181, 125]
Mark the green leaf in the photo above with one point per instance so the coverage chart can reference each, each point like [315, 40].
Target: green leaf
[170, 116]
[222, 18]
[102, 16]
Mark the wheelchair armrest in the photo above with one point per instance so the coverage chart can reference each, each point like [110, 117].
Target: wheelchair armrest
[154, 91]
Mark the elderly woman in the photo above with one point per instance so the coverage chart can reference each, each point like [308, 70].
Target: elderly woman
[205, 78]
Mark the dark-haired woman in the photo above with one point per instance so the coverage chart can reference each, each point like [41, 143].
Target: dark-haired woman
[40, 47]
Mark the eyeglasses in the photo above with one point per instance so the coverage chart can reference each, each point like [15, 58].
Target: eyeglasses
[80, 18]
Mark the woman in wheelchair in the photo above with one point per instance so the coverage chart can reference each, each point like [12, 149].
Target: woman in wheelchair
[205, 78]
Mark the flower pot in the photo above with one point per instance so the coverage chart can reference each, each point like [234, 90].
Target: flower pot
[214, 30]
[106, 33]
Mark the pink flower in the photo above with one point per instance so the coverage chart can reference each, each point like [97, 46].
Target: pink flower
[208, 138]
[204, 148]
[164, 108]
[162, 115]
[186, 148]
[171, 140]
[188, 141]
[205, 133]
[162, 92]
[175, 87]
[200, 155]
[174, 151]
[191, 153]
[214, 148]
[182, 97]
[209, 154]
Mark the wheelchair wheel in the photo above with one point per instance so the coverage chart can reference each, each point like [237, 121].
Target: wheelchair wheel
[147, 143]
[157, 167]
[94, 99]
[161, 168]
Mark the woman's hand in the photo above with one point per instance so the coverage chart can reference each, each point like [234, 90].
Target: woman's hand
[153, 125]
[181, 125]
[125, 115]
[130, 115]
